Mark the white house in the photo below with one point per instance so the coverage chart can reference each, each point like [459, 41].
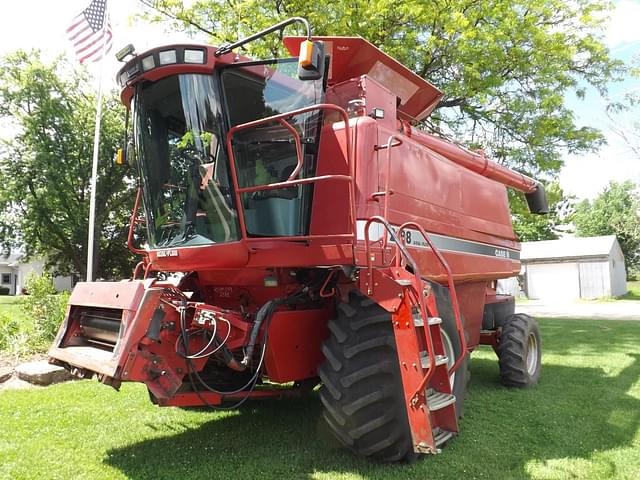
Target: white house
[14, 273]
[572, 268]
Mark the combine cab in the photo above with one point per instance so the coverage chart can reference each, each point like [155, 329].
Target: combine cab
[299, 229]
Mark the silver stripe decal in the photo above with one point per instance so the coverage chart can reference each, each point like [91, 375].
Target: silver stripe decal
[413, 238]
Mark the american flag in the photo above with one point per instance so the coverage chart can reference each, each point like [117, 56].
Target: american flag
[89, 30]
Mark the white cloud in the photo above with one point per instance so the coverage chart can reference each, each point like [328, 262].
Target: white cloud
[623, 24]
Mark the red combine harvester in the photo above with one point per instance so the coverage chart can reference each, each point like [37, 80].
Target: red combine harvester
[300, 231]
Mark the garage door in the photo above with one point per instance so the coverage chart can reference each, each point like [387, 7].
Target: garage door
[553, 281]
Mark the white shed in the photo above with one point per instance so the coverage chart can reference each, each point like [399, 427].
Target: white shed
[572, 268]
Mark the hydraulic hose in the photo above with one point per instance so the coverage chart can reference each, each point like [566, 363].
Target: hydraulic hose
[264, 312]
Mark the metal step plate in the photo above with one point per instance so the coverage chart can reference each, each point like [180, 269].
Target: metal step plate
[437, 400]
[440, 360]
[417, 320]
[440, 436]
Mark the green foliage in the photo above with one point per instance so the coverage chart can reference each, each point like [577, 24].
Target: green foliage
[9, 330]
[531, 227]
[616, 211]
[4, 290]
[43, 311]
[45, 308]
[503, 65]
[45, 167]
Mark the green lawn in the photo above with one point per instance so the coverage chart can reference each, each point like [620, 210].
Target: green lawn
[581, 421]
[633, 293]
[10, 305]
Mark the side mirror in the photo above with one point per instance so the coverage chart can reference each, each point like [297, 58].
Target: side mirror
[126, 156]
[130, 155]
[311, 60]
[120, 157]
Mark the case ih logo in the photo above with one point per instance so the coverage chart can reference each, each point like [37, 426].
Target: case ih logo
[502, 253]
[167, 253]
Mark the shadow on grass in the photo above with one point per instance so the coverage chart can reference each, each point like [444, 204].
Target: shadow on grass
[569, 415]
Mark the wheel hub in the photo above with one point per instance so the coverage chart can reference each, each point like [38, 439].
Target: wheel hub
[532, 354]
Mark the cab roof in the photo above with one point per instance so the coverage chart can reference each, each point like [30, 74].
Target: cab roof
[352, 57]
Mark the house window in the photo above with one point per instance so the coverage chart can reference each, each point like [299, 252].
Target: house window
[6, 278]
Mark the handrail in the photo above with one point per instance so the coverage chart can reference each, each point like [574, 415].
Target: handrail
[132, 223]
[401, 248]
[298, 143]
[452, 291]
[291, 183]
[387, 192]
[139, 265]
[288, 183]
[392, 233]
[418, 278]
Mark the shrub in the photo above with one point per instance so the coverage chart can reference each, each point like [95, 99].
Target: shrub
[9, 328]
[4, 290]
[45, 308]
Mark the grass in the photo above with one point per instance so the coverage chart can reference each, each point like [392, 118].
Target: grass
[633, 293]
[10, 305]
[581, 421]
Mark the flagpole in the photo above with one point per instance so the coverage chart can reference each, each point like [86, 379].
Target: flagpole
[96, 149]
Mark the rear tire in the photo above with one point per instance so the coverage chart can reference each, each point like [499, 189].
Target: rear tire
[519, 351]
[362, 391]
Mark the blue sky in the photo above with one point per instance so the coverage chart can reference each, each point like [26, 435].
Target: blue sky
[586, 175]
[583, 176]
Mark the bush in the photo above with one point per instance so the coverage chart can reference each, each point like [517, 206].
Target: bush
[4, 290]
[44, 309]
[15, 336]
[9, 328]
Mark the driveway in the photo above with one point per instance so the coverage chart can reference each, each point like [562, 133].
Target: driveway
[614, 310]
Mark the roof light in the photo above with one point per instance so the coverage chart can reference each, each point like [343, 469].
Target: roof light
[125, 52]
[148, 63]
[377, 113]
[193, 56]
[167, 57]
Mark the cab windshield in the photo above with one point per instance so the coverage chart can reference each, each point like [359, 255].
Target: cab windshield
[183, 168]
[180, 123]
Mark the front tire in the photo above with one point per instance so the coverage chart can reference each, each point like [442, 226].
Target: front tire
[362, 391]
[519, 351]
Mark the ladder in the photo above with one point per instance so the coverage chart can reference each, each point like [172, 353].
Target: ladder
[425, 366]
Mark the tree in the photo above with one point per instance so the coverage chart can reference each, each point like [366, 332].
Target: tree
[45, 167]
[503, 65]
[625, 121]
[623, 113]
[531, 227]
[616, 211]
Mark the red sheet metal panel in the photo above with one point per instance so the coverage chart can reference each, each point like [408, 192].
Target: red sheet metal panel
[122, 295]
[352, 57]
[293, 349]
